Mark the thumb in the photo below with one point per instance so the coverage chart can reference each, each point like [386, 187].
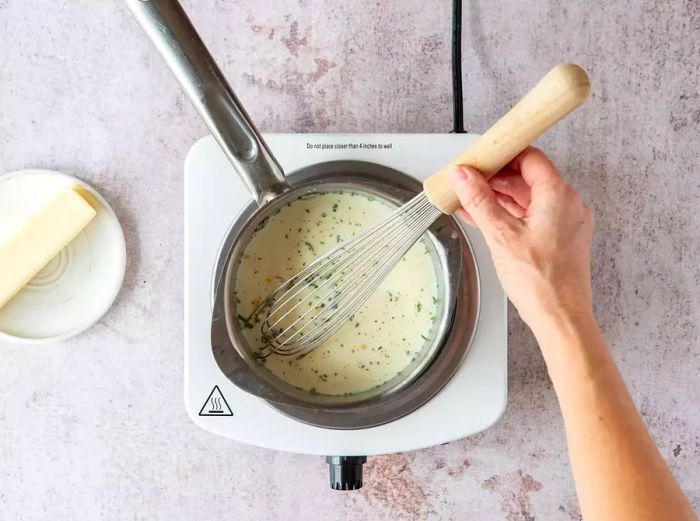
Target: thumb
[479, 200]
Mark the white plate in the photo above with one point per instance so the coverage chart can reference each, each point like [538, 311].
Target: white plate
[80, 284]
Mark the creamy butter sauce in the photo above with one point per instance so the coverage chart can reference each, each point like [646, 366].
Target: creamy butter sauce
[384, 336]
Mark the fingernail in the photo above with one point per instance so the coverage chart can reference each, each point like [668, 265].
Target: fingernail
[469, 172]
[466, 172]
[459, 174]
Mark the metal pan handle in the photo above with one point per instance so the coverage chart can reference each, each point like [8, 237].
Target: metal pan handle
[170, 30]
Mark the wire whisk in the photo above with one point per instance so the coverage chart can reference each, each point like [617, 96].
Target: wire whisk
[311, 306]
[307, 309]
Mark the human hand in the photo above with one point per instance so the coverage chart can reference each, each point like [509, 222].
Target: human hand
[538, 231]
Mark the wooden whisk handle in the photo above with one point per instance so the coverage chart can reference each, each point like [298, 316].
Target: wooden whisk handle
[563, 89]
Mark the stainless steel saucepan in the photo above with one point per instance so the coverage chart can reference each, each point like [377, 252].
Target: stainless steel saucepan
[168, 27]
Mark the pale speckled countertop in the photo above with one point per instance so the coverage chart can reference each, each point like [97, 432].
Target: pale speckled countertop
[95, 428]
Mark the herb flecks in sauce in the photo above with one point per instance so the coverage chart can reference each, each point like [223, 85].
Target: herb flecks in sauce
[382, 339]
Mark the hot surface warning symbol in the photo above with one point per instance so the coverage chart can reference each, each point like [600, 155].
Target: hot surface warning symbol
[216, 404]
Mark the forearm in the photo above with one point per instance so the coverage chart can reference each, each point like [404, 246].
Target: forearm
[618, 471]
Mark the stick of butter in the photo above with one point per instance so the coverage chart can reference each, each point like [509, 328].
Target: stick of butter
[39, 238]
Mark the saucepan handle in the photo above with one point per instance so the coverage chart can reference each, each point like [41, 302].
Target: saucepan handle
[170, 30]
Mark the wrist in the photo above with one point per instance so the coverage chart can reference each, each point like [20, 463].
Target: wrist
[561, 320]
[547, 300]
[572, 345]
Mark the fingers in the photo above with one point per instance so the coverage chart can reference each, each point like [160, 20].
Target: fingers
[479, 200]
[511, 183]
[468, 218]
[512, 193]
[535, 167]
[506, 202]
[510, 205]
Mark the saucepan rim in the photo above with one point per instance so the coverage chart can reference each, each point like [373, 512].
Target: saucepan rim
[457, 281]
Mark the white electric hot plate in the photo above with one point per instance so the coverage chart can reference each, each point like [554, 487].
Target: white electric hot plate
[473, 400]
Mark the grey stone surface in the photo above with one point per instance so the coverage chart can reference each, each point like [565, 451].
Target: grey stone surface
[94, 428]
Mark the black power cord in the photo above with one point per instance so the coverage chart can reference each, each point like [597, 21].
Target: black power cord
[457, 100]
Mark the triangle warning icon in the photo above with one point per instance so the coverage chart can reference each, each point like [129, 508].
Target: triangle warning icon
[216, 404]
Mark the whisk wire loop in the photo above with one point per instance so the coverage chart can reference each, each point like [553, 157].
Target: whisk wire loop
[307, 309]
